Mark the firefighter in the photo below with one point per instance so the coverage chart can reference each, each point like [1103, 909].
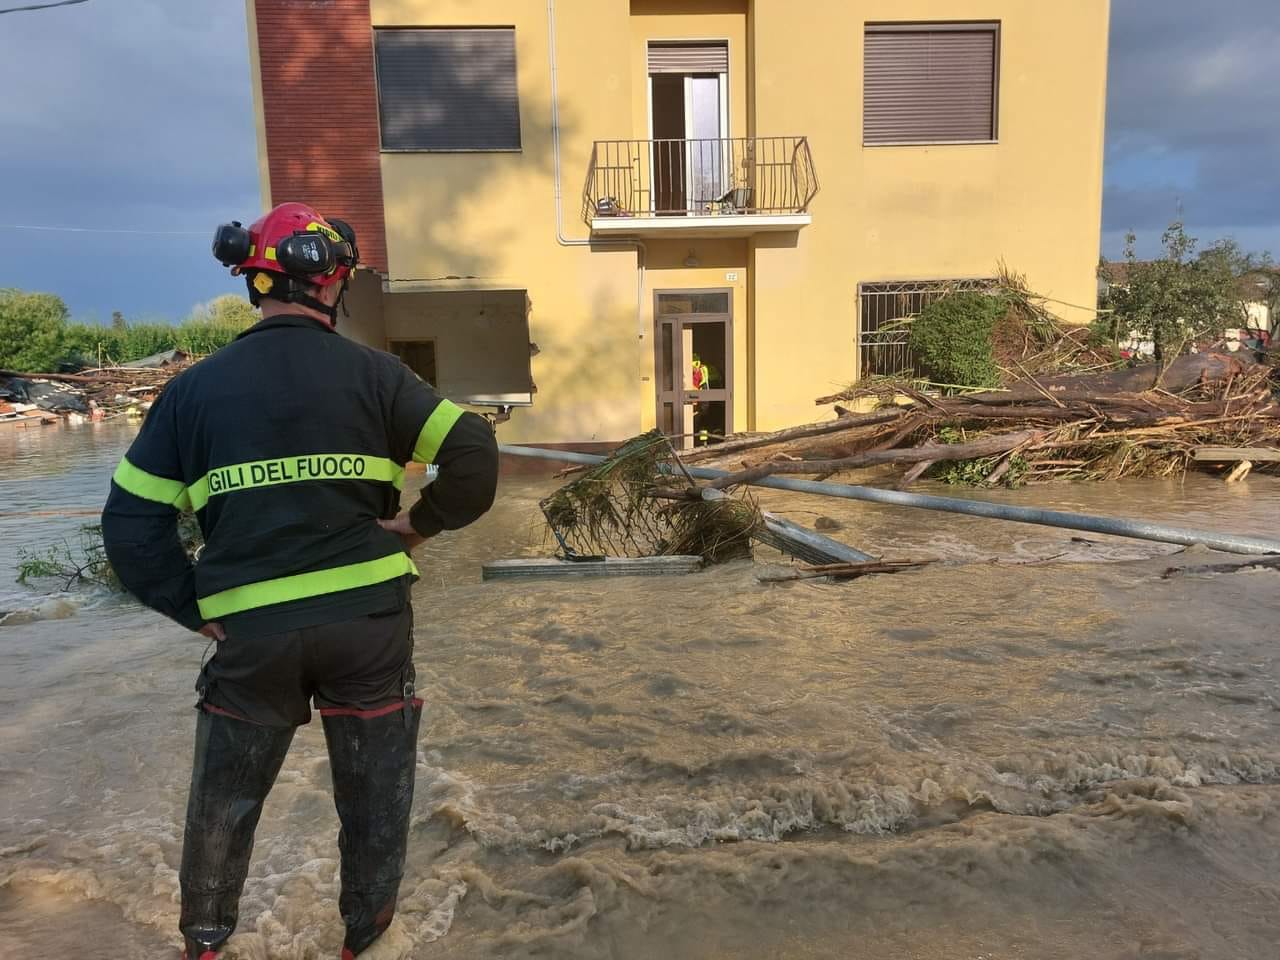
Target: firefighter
[289, 445]
[701, 378]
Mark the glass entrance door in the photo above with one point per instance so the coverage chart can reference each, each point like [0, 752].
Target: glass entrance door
[694, 340]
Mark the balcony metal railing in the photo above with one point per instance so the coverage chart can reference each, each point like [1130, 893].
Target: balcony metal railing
[721, 177]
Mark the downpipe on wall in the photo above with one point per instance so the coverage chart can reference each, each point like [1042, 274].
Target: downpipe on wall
[1089, 523]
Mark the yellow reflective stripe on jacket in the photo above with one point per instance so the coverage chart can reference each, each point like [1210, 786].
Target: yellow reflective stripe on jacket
[310, 466]
[150, 487]
[303, 585]
[437, 427]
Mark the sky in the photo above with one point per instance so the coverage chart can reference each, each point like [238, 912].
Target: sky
[136, 116]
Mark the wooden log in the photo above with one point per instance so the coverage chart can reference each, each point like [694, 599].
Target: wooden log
[609, 567]
[791, 433]
[915, 473]
[982, 447]
[1229, 454]
[1183, 373]
[60, 377]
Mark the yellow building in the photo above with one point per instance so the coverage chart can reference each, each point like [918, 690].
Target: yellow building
[646, 203]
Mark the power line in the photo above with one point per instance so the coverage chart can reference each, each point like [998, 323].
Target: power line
[43, 6]
[149, 233]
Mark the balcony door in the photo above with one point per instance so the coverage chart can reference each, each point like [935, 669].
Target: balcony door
[688, 122]
[694, 344]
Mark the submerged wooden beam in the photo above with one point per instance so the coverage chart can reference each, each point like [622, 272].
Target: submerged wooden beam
[795, 540]
[609, 567]
[805, 544]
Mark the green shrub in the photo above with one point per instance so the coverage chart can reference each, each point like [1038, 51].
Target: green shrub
[32, 326]
[952, 337]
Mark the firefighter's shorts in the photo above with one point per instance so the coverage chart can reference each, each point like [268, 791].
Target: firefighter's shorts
[364, 664]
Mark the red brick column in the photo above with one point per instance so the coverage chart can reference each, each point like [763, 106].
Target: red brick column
[320, 105]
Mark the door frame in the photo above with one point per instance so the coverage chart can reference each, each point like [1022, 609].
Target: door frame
[678, 321]
[648, 96]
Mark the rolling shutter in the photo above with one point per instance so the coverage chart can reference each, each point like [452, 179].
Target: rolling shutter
[929, 83]
[688, 58]
[448, 89]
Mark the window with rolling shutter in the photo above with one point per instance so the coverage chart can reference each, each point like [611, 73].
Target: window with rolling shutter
[665, 57]
[930, 83]
[447, 89]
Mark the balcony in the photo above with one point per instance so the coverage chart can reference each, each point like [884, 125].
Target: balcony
[699, 188]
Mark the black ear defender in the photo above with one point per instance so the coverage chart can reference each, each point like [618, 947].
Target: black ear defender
[348, 234]
[311, 253]
[231, 244]
[306, 254]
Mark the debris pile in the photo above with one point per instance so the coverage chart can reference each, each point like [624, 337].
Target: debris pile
[639, 502]
[1141, 421]
[99, 394]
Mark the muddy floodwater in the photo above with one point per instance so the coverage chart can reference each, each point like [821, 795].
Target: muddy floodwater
[977, 760]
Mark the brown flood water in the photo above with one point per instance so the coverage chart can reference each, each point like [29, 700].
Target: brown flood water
[971, 761]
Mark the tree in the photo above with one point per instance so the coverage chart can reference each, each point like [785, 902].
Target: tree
[1178, 299]
[32, 326]
[230, 308]
[118, 322]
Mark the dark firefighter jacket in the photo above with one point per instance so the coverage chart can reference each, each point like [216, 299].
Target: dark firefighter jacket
[288, 444]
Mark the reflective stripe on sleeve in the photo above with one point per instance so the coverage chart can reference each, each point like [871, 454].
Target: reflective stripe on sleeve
[434, 431]
[310, 466]
[303, 585]
[150, 487]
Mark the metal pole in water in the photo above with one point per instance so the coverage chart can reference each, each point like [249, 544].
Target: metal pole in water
[1089, 523]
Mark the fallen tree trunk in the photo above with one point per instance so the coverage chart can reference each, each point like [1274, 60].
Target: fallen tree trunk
[1182, 374]
[847, 422]
[982, 447]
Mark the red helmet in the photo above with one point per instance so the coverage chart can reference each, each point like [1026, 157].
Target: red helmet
[286, 251]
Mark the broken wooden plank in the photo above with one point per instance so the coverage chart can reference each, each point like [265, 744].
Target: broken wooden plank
[609, 567]
[1230, 454]
[805, 544]
[845, 571]
[1257, 563]
[1239, 471]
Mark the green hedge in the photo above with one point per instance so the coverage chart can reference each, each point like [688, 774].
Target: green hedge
[952, 338]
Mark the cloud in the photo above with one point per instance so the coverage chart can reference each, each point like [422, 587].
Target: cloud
[134, 114]
[139, 114]
[1191, 121]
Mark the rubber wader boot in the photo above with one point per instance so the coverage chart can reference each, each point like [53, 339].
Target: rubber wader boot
[236, 763]
[372, 757]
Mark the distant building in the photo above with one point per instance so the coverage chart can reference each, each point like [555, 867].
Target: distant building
[762, 185]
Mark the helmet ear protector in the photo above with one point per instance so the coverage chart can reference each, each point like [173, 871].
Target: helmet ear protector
[231, 244]
[310, 253]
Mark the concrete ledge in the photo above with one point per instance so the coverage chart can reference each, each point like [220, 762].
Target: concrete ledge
[722, 225]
